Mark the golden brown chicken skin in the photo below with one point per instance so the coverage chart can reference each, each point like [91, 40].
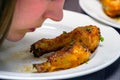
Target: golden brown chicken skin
[70, 56]
[111, 7]
[88, 36]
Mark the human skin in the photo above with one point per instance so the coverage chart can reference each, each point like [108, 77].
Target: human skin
[30, 14]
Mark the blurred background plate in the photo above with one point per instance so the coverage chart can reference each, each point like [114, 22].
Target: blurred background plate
[94, 9]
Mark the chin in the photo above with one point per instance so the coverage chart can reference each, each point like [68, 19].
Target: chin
[14, 38]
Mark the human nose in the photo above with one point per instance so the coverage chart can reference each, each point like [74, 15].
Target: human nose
[55, 10]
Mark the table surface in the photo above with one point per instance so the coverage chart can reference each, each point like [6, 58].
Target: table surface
[112, 72]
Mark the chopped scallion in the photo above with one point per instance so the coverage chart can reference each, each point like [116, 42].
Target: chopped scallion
[101, 38]
[88, 29]
[64, 32]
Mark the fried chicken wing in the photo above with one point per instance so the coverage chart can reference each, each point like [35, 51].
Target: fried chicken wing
[111, 7]
[70, 56]
[88, 36]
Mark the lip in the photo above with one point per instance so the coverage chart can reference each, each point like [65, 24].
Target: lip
[32, 29]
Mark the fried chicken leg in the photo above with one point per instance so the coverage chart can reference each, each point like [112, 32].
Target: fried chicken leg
[88, 36]
[70, 56]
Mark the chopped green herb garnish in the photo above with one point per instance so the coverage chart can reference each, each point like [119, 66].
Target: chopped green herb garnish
[86, 62]
[88, 29]
[64, 32]
[101, 38]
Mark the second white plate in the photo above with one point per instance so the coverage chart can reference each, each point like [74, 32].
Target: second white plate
[94, 9]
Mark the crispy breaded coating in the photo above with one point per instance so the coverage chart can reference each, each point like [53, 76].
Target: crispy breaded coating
[70, 56]
[111, 7]
[88, 36]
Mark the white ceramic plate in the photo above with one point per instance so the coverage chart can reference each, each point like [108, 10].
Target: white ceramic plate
[16, 61]
[94, 9]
